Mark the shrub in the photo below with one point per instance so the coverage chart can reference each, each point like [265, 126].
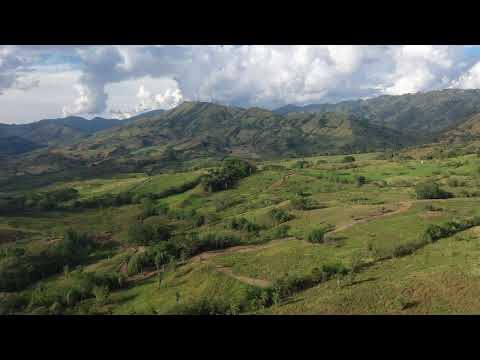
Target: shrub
[136, 264]
[302, 164]
[279, 215]
[431, 191]
[317, 235]
[348, 159]
[229, 173]
[101, 294]
[303, 203]
[243, 224]
[360, 180]
[281, 231]
[146, 234]
[148, 208]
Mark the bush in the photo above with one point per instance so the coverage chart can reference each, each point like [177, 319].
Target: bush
[360, 180]
[348, 159]
[317, 235]
[76, 245]
[242, 224]
[148, 208]
[147, 234]
[136, 264]
[431, 191]
[231, 171]
[436, 232]
[302, 203]
[279, 215]
[101, 294]
[302, 164]
[281, 231]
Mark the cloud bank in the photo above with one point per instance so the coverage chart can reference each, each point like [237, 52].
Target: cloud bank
[121, 81]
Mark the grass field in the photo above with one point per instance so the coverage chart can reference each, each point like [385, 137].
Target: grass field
[367, 220]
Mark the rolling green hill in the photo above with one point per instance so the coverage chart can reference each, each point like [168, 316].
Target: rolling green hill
[426, 113]
[203, 129]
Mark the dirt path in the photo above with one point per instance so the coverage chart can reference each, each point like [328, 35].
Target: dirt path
[232, 250]
[280, 182]
[404, 206]
[207, 256]
[244, 279]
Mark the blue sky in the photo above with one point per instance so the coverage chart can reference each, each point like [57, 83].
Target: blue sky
[119, 81]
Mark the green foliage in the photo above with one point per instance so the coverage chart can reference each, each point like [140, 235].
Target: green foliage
[303, 203]
[101, 294]
[243, 224]
[136, 264]
[360, 180]
[281, 231]
[431, 190]
[230, 172]
[147, 234]
[436, 232]
[302, 164]
[148, 208]
[280, 215]
[348, 159]
[76, 245]
[317, 235]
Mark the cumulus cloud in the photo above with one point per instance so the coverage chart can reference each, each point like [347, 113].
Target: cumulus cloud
[132, 79]
[470, 79]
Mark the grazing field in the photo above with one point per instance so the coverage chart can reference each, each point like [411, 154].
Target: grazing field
[365, 233]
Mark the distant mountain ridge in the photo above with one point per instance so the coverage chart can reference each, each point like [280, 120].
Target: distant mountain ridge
[207, 128]
[200, 128]
[21, 138]
[426, 113]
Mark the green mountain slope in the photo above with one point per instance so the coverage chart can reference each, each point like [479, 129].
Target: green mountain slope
[425, 113]
[198, 129]
[16, 139]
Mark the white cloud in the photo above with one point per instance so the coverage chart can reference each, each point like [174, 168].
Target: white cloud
[130, 97]
[53, 88]
[121, 80]
[470, 79]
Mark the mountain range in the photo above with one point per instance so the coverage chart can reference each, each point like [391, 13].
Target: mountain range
[206, 130]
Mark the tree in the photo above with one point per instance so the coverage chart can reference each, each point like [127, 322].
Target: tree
[360, 180]
[317, 235]
[348, 159]
[148, 208]
[431, 191]
[170, 153]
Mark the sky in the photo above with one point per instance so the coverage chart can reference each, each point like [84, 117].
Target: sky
[116, 81]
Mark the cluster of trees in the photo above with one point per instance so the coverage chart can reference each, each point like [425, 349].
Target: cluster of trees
[107, 200]
[431, 190]
[317, 235]
[348, 159]
[147, 234]
[50, 200]
[303, 203]
[301, 164]
[227, 175]
[279, 215]
[20, 269]
[436, 232]
[242, 224]
[180, 247]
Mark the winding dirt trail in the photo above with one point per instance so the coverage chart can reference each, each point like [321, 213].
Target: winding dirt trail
[404, 206]
[207, 256]
[232, 250]
[244, 279]
[280, 182]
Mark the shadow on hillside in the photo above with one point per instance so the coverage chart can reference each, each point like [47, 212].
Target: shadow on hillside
[363, 281]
